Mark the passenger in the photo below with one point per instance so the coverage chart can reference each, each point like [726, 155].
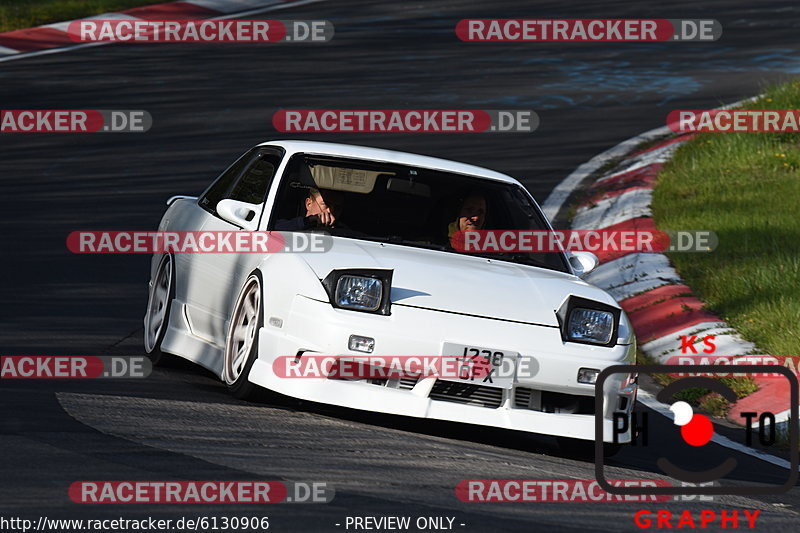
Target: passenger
[471, 215]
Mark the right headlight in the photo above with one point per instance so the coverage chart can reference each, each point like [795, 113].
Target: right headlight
[588, 322]
[358, 292]
[360, 289]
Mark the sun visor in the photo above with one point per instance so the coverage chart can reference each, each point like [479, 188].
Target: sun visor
[345, 179]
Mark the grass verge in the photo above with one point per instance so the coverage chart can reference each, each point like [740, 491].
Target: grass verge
[16, 14]
[746, 188]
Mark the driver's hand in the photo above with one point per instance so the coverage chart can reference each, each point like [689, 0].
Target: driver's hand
[326, 217]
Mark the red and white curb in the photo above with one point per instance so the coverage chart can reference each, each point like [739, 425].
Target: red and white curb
[52, 38]
[660, 306]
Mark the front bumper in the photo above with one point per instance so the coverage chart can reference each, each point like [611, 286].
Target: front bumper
[547, 399]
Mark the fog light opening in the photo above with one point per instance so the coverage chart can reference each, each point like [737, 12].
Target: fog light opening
[588, 375]
[357, 343]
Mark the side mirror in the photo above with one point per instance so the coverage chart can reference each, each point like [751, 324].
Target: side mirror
[583, 262]
[239, 213]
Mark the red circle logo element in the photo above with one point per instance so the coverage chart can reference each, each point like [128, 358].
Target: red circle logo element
[698, 431]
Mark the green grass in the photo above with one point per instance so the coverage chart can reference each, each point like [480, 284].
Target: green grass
[715, 404]
[746, 188]
[16, 14]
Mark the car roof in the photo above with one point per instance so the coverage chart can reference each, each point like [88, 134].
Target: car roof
[389, 156]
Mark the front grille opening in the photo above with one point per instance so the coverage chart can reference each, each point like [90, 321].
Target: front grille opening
[401, 383]
[553, 402]
[464, 393]
[406, 383]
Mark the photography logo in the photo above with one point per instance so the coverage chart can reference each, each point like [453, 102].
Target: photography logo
[694, 432]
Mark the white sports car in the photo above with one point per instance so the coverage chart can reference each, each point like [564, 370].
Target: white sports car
[389, 284]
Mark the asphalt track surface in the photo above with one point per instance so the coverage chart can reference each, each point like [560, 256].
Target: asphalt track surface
[210, 103]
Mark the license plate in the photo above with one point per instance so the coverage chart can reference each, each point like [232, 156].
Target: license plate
[488, 367]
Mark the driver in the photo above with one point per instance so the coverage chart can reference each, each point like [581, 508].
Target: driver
[322, 208]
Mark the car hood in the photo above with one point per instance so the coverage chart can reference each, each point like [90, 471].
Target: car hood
[456, 283]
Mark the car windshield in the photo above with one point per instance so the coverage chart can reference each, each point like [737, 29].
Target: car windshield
[404, 205]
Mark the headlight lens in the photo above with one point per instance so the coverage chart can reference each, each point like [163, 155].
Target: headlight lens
[360, 289]
[590, 325]
[358, 292]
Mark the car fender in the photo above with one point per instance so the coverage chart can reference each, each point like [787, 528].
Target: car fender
[286, 276]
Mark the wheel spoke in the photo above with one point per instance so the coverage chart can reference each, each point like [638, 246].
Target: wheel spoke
[249, 310]
[240, 333]
[160, 294]
[157, 321]
[158, 314]
[238, 363]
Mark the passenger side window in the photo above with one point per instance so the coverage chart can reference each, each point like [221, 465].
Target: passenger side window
[219, 188]
[247, 180]
[252, 187]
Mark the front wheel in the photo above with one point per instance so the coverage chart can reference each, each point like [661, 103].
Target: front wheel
[241, 346]
[156, 320]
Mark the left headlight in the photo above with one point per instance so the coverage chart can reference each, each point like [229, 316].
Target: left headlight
[588, 322]
[366, 290]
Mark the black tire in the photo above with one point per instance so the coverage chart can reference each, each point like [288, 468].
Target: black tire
[159, 304]
[235, 370]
